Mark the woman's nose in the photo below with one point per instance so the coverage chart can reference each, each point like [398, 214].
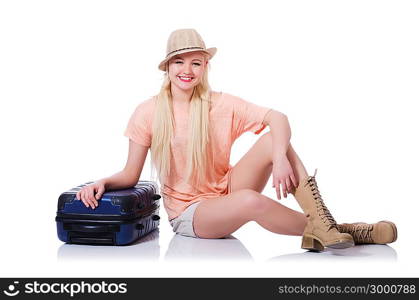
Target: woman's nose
[187, 68]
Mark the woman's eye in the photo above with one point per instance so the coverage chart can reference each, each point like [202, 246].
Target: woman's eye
[180, 62]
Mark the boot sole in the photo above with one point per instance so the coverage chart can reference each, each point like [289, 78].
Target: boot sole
[312, 243]
[342, 244]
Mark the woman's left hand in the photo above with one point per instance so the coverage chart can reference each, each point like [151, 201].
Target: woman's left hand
[283, 176]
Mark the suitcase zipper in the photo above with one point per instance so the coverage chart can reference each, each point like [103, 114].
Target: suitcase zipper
[107, 218]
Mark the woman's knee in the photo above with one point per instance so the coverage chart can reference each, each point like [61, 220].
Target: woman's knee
[252, 203]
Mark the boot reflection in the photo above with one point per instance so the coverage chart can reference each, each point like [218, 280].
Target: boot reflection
[358, 253]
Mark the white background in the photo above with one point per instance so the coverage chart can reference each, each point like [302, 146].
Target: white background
[345, 73]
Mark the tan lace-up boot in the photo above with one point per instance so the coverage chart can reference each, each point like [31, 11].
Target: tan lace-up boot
[383, 232]
[321, 230]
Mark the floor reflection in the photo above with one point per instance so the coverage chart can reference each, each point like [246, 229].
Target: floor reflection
[145, 249]
[189, 248]
[357, 253]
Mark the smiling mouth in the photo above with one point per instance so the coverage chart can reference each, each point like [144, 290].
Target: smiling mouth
[186, 79]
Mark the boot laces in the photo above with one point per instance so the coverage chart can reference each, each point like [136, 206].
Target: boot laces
[361, 232]
[324, 213]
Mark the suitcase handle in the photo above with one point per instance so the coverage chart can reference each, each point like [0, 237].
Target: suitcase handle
[155, 197]
[93, 228]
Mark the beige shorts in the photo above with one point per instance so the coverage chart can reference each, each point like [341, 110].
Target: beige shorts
[183, 224]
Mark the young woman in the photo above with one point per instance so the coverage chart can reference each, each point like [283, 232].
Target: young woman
[190, 130]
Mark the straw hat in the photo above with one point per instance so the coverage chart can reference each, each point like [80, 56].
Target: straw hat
[182, 41]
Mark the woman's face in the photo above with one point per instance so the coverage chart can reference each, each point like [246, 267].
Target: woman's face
[186, 70]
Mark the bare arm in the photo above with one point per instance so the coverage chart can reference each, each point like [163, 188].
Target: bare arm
[282, 172]
[128, 177]
[281, 133]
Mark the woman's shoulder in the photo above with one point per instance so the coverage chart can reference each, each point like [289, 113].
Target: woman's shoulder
[226, 95]
[145, 108]
[147, 104]
[223, 96]
[150, 101]
[226, 99]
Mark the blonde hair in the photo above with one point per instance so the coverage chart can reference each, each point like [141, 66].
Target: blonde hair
[199, 155]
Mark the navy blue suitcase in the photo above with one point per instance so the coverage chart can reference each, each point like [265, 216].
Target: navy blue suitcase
[122, 216]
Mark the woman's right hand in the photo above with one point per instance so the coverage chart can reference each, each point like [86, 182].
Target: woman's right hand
[90, 194]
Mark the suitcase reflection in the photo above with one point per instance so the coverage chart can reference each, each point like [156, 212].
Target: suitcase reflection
[146, 248]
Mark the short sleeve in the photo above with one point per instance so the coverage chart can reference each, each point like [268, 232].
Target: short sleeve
[248, 116]
[139, 125]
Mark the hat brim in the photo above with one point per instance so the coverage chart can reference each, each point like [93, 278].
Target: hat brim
[210, 51]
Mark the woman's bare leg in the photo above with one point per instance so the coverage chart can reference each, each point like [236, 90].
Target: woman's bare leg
[218, 217]
[255, 167]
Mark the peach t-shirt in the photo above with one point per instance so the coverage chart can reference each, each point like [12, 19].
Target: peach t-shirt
[230, 117]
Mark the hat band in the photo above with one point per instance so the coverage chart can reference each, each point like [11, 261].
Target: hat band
[184, 49]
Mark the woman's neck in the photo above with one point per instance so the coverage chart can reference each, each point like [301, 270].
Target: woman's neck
[181, 96]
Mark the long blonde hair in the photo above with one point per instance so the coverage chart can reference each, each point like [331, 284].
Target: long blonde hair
[199, 154]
